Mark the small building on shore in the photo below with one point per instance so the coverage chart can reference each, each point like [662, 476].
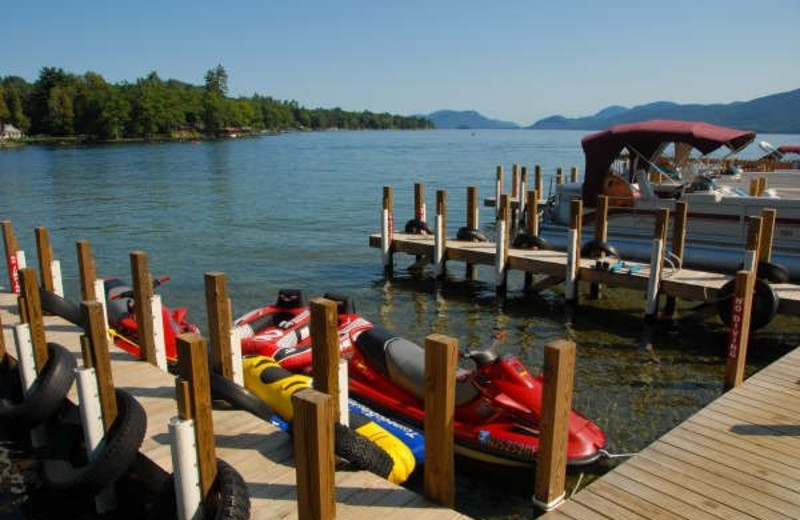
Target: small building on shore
[8, 131]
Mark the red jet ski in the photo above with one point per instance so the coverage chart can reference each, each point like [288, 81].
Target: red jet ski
[121, 318]
[497, 403]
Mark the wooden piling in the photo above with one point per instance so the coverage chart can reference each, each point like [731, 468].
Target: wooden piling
[325, 349]
[501, 245]
[762, 185]
[11, 246]
[87, 270]
[521, 194]
[600, 234]
[532, 222]
[419, 202]
[753, 191]
[551, 464]
[313, 453]
[740, 329]
[441, 361]
[656, 264]
[539, 182]
[96, 355]
[573, 174]
[573, 251]
[754, 226]
[678, 244]
[193, 368]
[218, 310]
[142, 295]
[768, 216]
[45, 254]
[498, 186]
[33, 315]
[559, 176]
[472, 222]
[440, 245]
[387, 230]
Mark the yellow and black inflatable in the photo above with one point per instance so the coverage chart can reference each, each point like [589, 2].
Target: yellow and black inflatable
[373, 449]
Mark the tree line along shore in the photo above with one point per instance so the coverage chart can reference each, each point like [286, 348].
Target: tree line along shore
[61, 105]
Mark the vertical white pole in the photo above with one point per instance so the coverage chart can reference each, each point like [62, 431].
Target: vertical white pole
[571, 280]
[500, 254]
[344, 394]
[93, 432]
[438, 247]
[386, 240]
[185, 469]
[651, 301]
[27, 371]
[58, 282]
[236, 356]
[158, 332]
[498, 191]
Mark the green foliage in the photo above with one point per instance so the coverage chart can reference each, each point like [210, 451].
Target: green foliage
[60, 103]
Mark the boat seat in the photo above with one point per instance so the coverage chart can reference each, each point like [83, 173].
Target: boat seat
[403, 362]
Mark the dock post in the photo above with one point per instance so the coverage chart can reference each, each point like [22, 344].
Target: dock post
[656, 265]
[49, 268]
[98, 402]
[559, 176]
[441, 361]
[440, 234]
[473, 222]
[531, 226]
[13, 256]
[740, 329]
[601, 235]
[501, 246]
[420, 212]
[143, 307]
[194, 391]
[87, 270]
[387, 231]
[521, 196]
[498, 187]
[515, 199]
[226, 354]
[326, 363]
[768, 217]
[573, 251]
[678, 244]
[313, 452]
[754, 227]
[538, 181]
[573, 174]
[31, 311]
[551, 464]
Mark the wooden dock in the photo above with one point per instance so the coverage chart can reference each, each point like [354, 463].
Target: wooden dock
[737, 458]
[686, 284]
[261, 453]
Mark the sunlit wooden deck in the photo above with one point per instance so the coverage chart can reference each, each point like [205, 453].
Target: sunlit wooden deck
[260, 452]
[737, 458]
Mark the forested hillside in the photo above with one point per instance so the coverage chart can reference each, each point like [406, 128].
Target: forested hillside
[64, 104]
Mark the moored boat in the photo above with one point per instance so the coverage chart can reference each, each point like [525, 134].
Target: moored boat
[627, 163]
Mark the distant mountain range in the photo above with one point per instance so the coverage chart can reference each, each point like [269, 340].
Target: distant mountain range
[777, 113]
[466, 120]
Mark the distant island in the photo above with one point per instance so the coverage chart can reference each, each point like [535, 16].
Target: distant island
[777, 113]
[466, 120]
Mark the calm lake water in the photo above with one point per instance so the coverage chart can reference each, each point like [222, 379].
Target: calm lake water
[295, 210]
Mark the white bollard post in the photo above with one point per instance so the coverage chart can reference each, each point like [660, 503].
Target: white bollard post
[158, 332]
[58, 281]
[236, 356]
[500, 255]
[386, 240]
[571, 280]
[185, 469]
[93, 432]
[27, 372]
[651, 300]
[344, 394]
[438, 248]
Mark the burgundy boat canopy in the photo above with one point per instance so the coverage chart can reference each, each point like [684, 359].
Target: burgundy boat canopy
[647, 138]
[789, 148]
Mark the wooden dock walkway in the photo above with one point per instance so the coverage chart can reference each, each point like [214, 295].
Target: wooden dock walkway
[261, 453]
[737, 458]
[686, 284]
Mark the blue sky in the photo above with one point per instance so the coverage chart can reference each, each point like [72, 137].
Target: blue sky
[508, 59]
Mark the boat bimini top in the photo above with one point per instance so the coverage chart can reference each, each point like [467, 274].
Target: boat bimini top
[647, 139]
